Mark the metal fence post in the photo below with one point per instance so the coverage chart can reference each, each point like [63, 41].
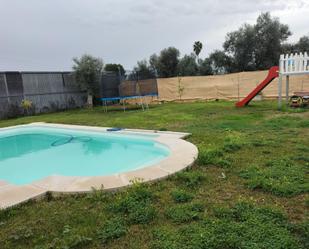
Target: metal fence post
[280, 92]
[6, 89]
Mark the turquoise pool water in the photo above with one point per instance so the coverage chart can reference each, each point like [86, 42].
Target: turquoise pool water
[32, 153]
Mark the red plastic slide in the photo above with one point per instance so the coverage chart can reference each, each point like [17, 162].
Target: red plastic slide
[272, 74]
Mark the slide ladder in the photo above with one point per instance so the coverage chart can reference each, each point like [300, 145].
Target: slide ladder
[272, 74]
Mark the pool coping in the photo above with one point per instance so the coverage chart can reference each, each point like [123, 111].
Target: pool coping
[182, 155]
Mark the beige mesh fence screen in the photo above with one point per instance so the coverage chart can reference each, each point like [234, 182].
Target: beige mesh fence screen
[127, 88]
[146, 87]
[227, 87]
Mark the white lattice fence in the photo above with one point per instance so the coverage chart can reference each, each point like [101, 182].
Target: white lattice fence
[294, 63]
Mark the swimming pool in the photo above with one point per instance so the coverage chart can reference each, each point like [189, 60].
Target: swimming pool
[39, 158]
[32, 153]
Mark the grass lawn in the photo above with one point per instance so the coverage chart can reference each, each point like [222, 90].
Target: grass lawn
[248, 189]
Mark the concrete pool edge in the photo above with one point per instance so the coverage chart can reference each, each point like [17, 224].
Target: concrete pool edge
[182, 155]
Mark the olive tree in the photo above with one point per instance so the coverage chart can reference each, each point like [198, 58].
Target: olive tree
[187, 66]
[87, 71]
[167, 62]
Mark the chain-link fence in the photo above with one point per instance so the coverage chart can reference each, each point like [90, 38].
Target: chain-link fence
[129, 84]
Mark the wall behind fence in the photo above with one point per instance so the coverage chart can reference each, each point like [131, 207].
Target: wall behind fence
[48, 91]
[227, 87]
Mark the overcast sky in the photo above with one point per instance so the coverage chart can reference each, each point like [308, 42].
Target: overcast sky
[47, 34]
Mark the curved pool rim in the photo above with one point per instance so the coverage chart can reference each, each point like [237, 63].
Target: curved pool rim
[182, 155]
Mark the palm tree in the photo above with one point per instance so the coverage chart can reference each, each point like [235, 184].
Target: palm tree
[197, 48]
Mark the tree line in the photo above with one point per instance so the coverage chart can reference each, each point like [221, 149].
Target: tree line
[251, 47]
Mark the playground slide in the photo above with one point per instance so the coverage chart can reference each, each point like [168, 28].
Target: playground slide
[272, 74]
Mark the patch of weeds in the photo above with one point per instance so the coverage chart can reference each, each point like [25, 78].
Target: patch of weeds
[304, 124]
[302, 148]
[7, 213]
[77, 241]
[141, 214]
[241, 226]
[301, 158]
[49, 196]
[244, 226]
[302, 232]
[233, 142]
[224, 162]
[70, 240]
[213, 157]
[180, 195]
[185, 212]
[222, 212]
[244, 211]
[66, 229]
[281, 177]
[209, 156]
[191, 178]
[285, 121]
[266, 152]
[165, 238]
[97, 195]
[112, 229]
[259, 142]
[21, 233]
[307, 201]
[135, 204]
[140, 192]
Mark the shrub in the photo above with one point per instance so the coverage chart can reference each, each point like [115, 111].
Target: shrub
[180, 195]
[280, 177]
[27, 106]
[184, 213]
[112, 229]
